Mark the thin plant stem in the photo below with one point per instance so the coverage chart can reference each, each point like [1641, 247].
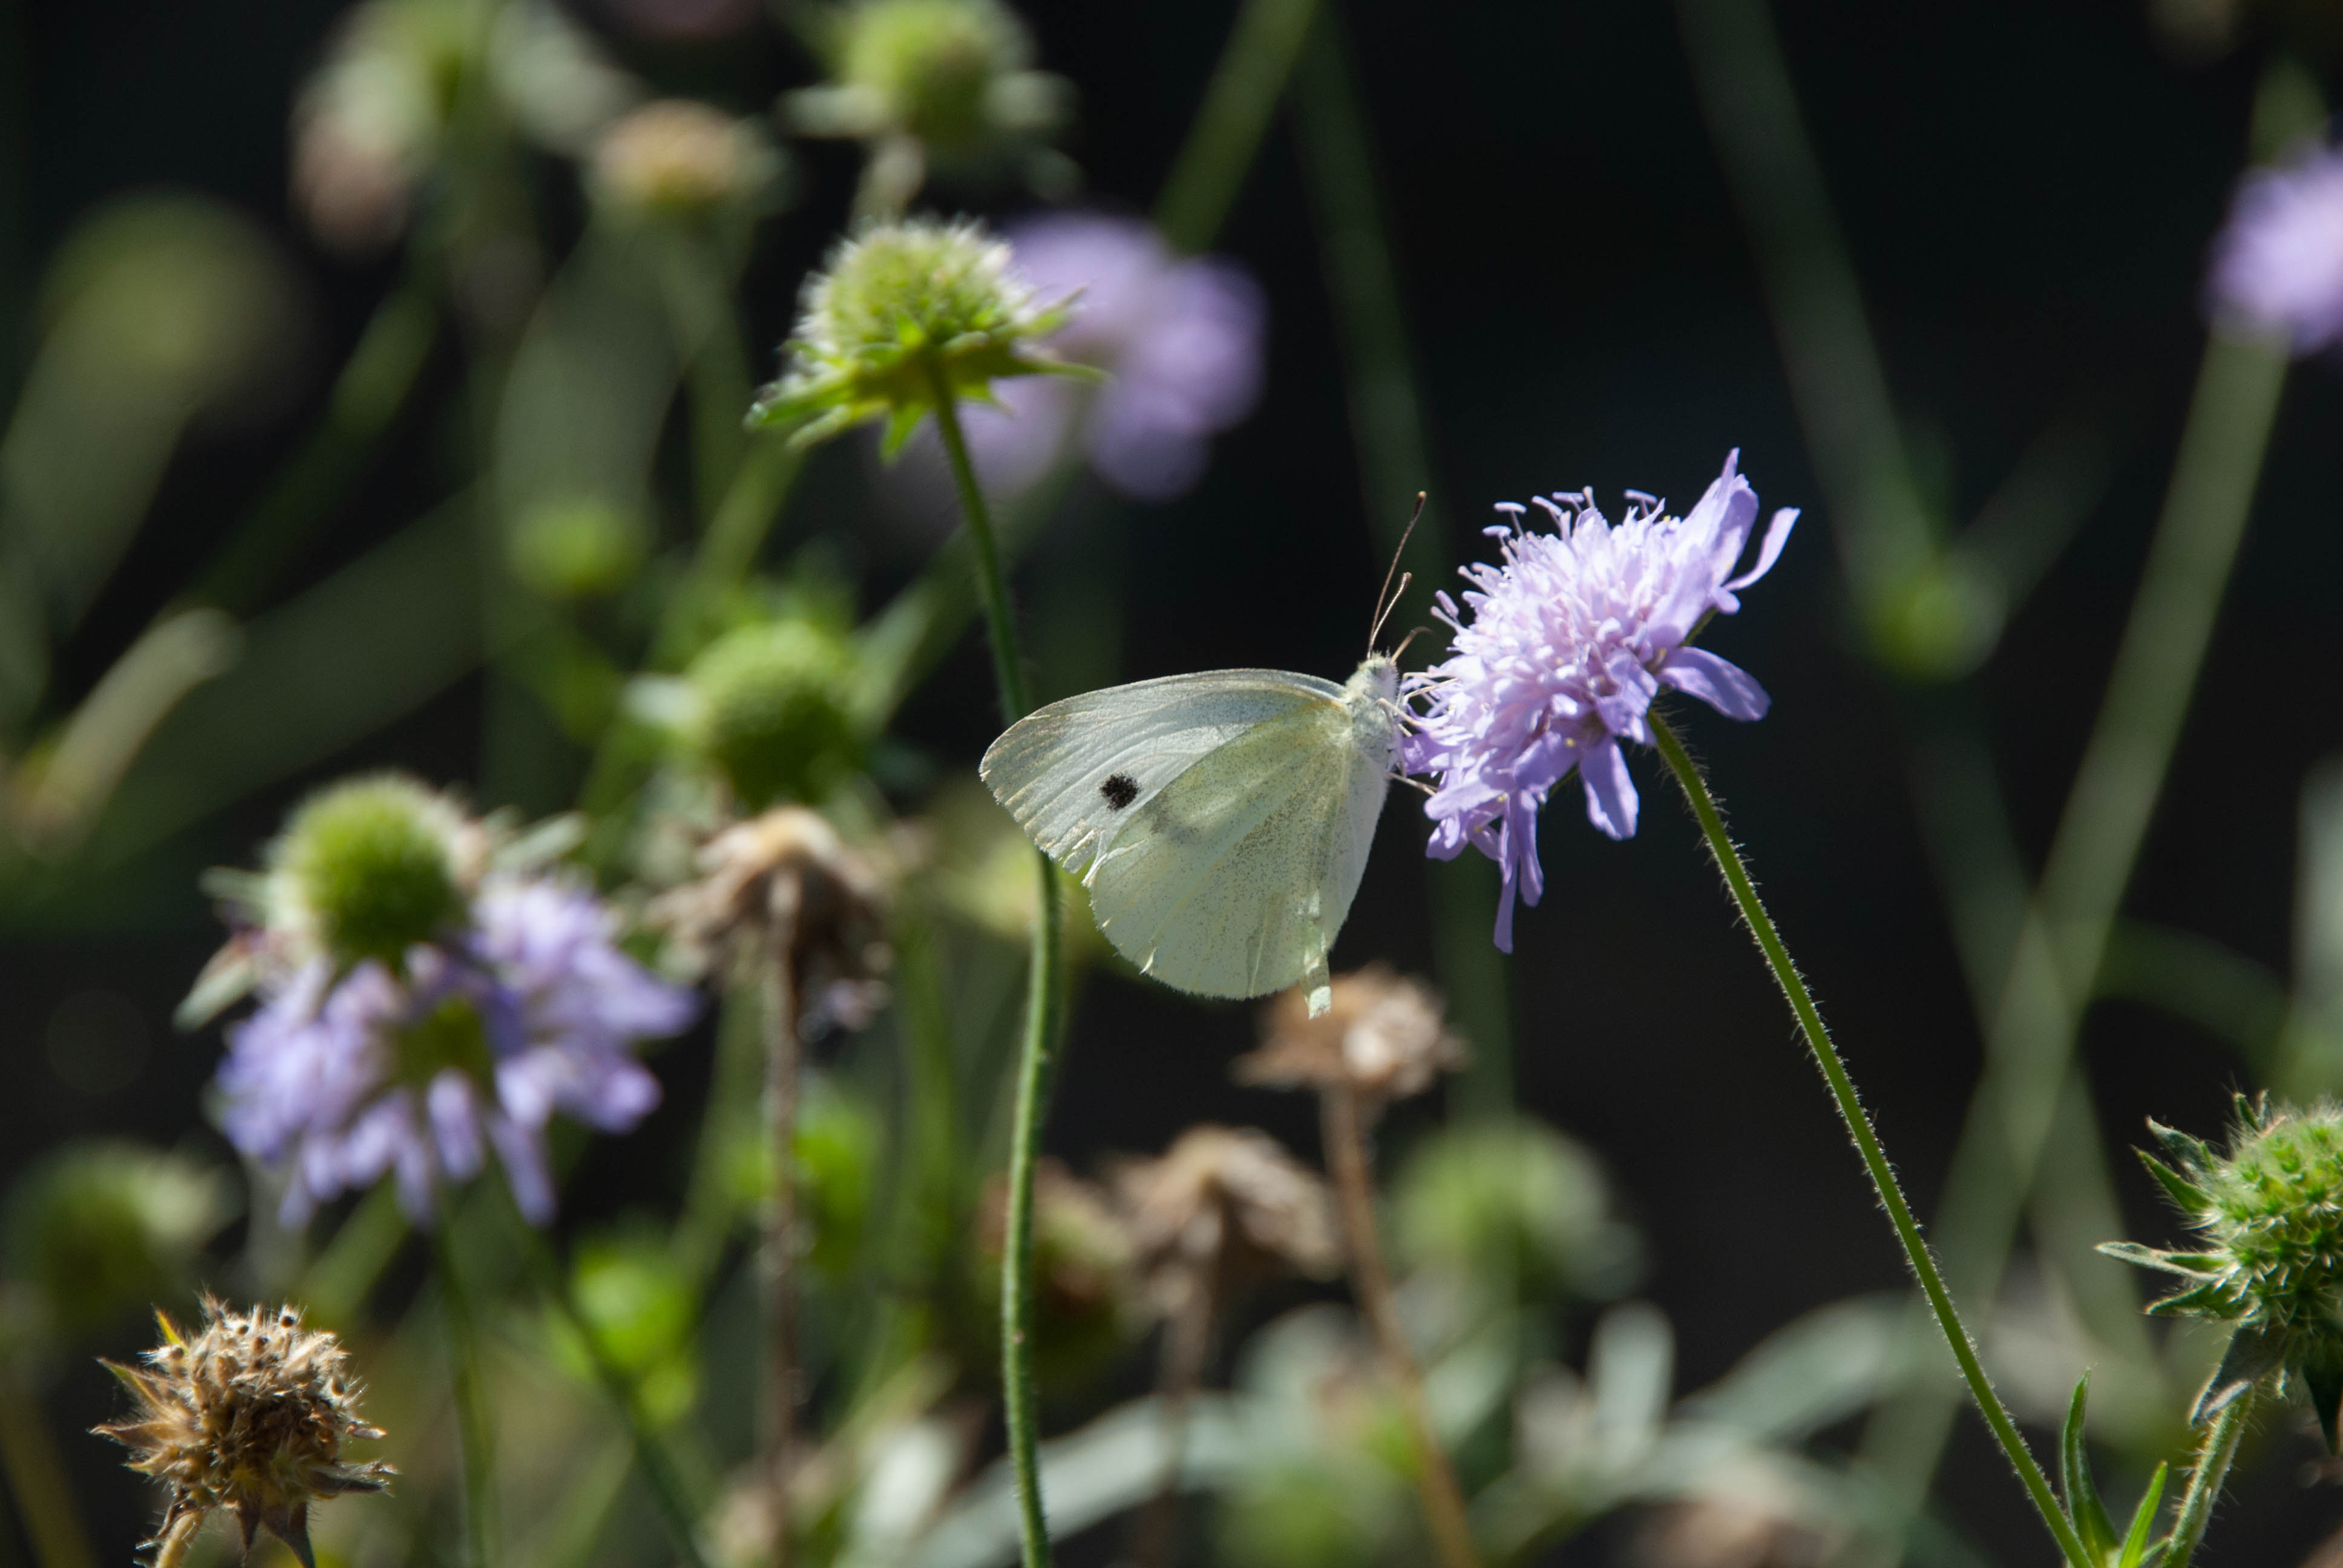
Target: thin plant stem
[1394, 455]
[1245, 86]
[778, 1239]
[1867, 1142]
[2218, 1452]
[474, 1434]
[367, 396]
[1037, 1056]
[37, 1479]
[1435, 1480]
[668, 1493]
[1187, 1340]
[2062, 939]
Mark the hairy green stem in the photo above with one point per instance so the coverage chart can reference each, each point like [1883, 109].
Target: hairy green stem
[1245, 86]
[2218, 1452]
[1036, 1057]
[777, 1247]
[1866, 1142]
[473, 1432]
[2062, 938]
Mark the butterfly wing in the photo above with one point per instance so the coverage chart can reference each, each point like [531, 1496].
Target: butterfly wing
[1077, 773]
[1234, 879]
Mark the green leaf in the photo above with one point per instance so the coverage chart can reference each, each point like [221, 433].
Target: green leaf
[2208, 1299]
[2150, 1258]
[2143, 1521]
[2189, 1197]
[2191, 1154]
[2084, 1509]
[2253, 1353]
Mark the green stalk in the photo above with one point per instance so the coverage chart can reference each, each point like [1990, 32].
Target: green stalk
[1036, 1061]
[1395, 461]
[35, 1477]
[2063, 939]
[1866, 1142]
[2215, 1457]
[673, 1499]
[367, 395]
[1245, 90]
[472, 1426]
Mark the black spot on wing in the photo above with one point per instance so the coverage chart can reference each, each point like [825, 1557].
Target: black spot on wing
[1119, 789]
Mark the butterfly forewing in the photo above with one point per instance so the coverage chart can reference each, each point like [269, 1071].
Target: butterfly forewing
[1076, 772]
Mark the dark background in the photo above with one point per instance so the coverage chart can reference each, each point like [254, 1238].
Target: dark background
[2028, 189]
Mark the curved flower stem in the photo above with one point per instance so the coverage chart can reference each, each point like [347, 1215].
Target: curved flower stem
[1229, 124]
[1867, 1142]
[777, 1243]
[2213, 1462]
[32, 1473]
[471, 1400]
[1037, 1058]
[1346, 1155]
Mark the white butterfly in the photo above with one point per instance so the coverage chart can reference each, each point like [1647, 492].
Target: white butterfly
[1221, 821]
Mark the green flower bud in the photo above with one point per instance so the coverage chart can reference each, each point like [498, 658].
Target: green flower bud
[579, 548]
[100, 1231]
[678, 158]
[773, 714]
[898, 307]
[1513, 1205]
[369, 868]
[946, 82]
[2270, 1256]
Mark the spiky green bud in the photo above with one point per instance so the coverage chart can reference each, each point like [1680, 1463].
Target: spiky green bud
[773, 712]
[901, 308]
[370, 867]
[2268, 1215]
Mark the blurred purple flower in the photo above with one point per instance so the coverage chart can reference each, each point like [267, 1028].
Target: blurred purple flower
[532, 1010]
[2278, 264]
[1570, 639]
[1180, 338]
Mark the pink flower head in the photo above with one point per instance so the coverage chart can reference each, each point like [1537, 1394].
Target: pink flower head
[1569, 640]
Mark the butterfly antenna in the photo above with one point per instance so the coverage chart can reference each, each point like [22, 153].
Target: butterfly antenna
[1388, 598]
[1401, 651]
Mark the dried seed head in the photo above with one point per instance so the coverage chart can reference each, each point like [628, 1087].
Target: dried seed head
[1384, 1037]
[250, 1415]
[1221, 1206]
[785, 878]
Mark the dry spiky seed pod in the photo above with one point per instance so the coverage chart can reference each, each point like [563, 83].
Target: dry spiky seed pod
[249, 1415]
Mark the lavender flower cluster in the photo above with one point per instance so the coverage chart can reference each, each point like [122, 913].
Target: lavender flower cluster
[529, 1009]
[1568, 643]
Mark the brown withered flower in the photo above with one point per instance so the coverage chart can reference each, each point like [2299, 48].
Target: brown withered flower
[786, 878]
[1385, 1038]
[1224, 1204]
[249, 1415]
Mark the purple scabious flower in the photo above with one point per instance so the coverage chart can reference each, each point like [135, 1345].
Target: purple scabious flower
[1179, 338]
[2278, 264]
[1569, 641]
[529, 1010]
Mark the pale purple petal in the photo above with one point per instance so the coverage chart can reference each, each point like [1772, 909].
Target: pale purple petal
[521, 1152]
[454, 1123]
[1559, 648]
[1778, 534]
[2277, 266]
[1611, 800]
[1724, 686]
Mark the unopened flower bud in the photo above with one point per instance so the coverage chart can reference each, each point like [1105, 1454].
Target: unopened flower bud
[371, 868]
[678, 158]
[899, 306]
[2269, 1251]
[774, 716]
